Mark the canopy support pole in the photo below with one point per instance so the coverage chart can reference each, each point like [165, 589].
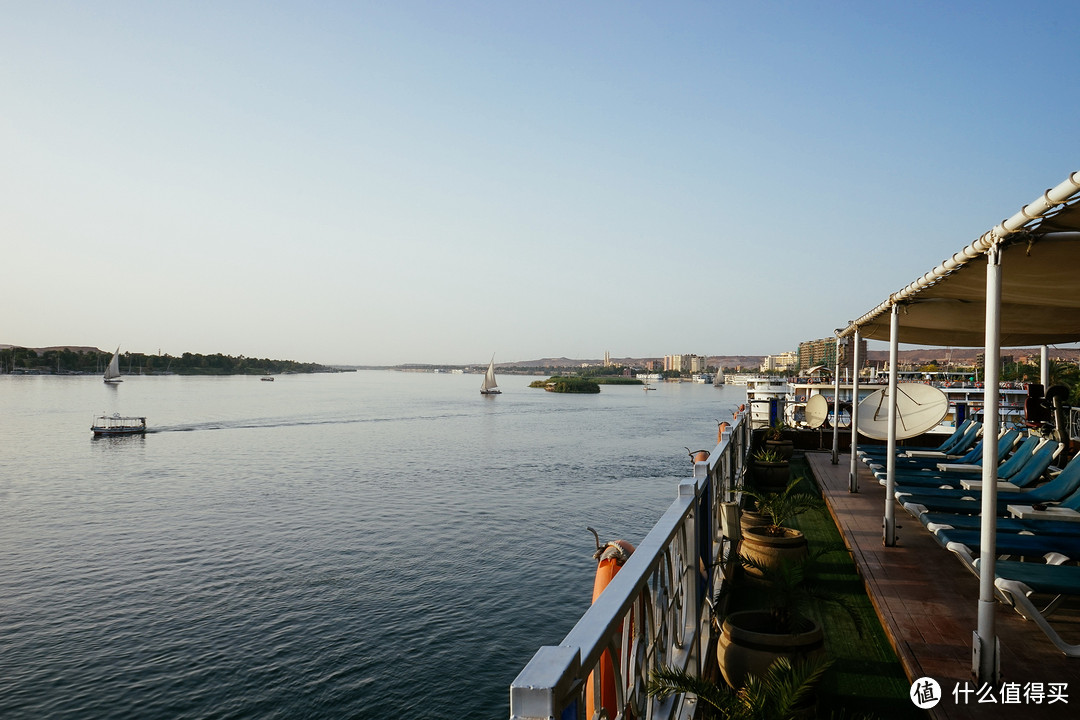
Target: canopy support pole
[890, 448]
[985, 659]
[1044, 367]
[853, 473]
[836, 407]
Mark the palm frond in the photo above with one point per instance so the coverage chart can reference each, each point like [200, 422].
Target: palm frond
[666, 681]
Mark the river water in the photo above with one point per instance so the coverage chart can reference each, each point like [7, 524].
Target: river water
[357, 545]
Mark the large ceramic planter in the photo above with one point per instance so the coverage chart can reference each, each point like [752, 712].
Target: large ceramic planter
[752, 518]
[772, 551]
[784, 448]
[770, 475]
[749, 644]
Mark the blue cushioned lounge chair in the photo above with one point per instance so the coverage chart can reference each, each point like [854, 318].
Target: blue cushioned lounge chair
[1023, 470]
[1061, 487]
[961, 439]
[1017, 581]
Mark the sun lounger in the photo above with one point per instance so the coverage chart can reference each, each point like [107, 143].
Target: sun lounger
[973, 458]
[936, 521]
[1010, 467]
[970, 502]
[1017, 581]
[1013, 543]
[956, 443]
[1022, 470]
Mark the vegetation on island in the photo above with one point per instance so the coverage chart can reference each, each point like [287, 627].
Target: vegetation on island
[616, 380]
[64, 361]
[567, 385]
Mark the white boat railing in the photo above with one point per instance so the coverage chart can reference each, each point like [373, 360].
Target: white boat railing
[658, 610]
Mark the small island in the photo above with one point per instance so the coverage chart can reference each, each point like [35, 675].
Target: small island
[567, 385]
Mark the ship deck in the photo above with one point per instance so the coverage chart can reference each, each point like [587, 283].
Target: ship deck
[927, 602]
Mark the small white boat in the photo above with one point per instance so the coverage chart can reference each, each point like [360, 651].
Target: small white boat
[489, 386]
[116, 425]
[112, 373]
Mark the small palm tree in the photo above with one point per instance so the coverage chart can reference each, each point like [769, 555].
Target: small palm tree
[784, 505]
[775, 431]
[778, 695]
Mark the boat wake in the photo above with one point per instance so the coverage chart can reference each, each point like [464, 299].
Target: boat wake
[270, 423]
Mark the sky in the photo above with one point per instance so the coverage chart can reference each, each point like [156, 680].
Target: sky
[379, 183]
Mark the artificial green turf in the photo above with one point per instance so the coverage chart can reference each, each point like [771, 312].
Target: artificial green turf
[866, 678]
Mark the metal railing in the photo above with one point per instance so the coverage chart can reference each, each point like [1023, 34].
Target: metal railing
[1074, 422]
[658, 610]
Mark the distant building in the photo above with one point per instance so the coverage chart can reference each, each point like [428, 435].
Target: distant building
[823, 352]
[783, 362]
[685, 363]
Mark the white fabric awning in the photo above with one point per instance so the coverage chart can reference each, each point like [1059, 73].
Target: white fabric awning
[1040, 296]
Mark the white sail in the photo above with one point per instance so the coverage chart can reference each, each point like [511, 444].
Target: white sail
[112, 373]
[490, 387]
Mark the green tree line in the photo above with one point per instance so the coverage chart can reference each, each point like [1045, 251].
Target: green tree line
[71, 362]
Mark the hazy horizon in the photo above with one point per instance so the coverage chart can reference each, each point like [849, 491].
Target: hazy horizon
[371, 183]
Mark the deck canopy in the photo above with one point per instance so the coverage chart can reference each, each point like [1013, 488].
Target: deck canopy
[1040, 284]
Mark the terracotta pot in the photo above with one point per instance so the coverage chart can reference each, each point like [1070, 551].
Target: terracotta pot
[752, 518]
[785, 448]
[772, 550]
[770, 475]
[749, 644]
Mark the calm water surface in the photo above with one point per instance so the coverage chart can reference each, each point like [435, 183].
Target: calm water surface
[362, 545]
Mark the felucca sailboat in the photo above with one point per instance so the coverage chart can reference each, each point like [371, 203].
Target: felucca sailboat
[112, 373]
[490, 387]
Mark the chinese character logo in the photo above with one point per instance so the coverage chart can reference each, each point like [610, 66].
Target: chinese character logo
[925, 693]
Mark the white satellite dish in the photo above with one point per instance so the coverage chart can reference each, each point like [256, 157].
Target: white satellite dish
[919, 407]
[817, 411]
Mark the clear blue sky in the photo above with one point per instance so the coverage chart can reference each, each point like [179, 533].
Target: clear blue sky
[406, 181]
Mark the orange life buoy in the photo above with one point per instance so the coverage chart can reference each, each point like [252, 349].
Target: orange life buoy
[611, 557]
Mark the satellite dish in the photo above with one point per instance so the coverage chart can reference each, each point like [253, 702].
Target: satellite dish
[817, 411]
[919, 407]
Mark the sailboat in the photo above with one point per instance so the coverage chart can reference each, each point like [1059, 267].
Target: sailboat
[112, 373]
[489, 386]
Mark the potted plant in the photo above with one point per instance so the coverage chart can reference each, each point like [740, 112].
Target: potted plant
[752, 640]
[768, 469]
[775, 440]
[781, 693]
[772, 543]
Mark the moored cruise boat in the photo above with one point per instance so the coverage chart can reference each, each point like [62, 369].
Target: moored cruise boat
[965, 398]
[766, 396]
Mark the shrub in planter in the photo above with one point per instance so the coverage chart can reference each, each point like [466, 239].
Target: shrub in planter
[775, 441]
[783, 692]
[768, 470]
[772, 544]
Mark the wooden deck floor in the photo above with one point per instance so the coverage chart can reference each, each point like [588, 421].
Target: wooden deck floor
[927, 602]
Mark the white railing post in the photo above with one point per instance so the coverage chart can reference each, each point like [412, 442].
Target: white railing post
[545, 687]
